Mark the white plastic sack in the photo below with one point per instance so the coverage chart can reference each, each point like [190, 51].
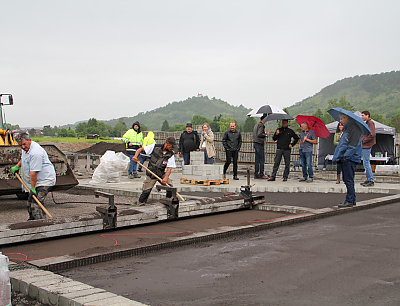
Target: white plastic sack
[111, 167]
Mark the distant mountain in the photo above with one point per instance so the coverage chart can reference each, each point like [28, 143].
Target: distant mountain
[183, 111]
[378, 93]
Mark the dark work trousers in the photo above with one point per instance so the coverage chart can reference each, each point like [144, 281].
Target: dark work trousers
[229, 155]
[259, 159]
[348, 170]
[34, 210]
[278, 158]
[186, 158]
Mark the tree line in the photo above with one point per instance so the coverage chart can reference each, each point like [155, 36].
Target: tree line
[393, 121]
[217, 124]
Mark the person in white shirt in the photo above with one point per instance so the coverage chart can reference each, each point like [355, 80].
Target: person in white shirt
[161, 162]
[37, 172]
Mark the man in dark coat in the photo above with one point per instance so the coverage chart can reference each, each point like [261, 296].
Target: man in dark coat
[232, 141]
[189, 141]
[258, 144]
[284, 136]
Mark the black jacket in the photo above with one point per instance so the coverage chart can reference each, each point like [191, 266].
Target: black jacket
[189, 142]
[232, 140]
[285, 137]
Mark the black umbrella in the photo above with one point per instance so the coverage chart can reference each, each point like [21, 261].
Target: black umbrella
[270, 112]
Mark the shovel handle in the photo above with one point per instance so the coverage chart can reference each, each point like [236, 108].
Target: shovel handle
[147, 169]
[34, 197]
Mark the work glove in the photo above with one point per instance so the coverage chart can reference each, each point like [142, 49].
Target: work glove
[32, 193]
[14, 169]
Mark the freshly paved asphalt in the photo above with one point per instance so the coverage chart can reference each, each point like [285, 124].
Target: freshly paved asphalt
[349, 259]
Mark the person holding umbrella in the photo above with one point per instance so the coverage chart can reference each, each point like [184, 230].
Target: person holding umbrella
[312, 127]
[349, 150]
[258, 144]
[348, 154]
[308, 139]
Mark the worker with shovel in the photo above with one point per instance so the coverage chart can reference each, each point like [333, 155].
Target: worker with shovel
[38, 174]
[161, 162]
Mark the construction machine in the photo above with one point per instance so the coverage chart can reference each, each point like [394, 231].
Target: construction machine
[10, 154]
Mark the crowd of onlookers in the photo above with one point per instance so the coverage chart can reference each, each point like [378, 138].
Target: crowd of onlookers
[351, 146]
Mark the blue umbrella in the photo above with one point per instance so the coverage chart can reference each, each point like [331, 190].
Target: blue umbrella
[335, 112]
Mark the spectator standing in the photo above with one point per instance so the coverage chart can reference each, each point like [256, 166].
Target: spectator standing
[258, 144]
[133, 139]
[368, 141]
[37, 172]
[336, 139]
[348, 153]
[189, 141]
[308, 139]
[207, 144]
[232, 142]
[283, 136]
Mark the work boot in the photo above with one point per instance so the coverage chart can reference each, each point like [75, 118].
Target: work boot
[235, 178]
[130, 175]
[135, 175]
[144, 196]
[338, 179]
[140, 170]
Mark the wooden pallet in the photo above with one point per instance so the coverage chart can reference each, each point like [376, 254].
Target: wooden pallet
[204, 182]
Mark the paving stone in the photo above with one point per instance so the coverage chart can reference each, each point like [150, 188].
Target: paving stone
[92, 298]
[65, 298]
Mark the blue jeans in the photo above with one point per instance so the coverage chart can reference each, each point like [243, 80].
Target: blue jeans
[366, 153]
[259, 159]
[132, 165]
[186, 158]
[349, 169]
[306, 164]
[207, 160]
[142, 160]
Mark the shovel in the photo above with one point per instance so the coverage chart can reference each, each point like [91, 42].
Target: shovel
[151, 172]
[34, 197]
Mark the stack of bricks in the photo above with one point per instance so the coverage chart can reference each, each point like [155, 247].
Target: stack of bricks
[197, 170]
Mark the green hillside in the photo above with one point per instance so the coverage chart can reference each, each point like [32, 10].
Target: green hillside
[183, 111]
[378, 93]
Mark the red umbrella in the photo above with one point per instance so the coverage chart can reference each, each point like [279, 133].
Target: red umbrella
[315, 124]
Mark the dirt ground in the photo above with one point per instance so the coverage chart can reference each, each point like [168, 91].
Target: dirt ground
[71, 147]
[59, 204]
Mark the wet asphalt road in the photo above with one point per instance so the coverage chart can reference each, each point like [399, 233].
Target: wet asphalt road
[350, 259]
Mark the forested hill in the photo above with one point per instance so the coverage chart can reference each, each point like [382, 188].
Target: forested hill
[183, 111]
[378, 93]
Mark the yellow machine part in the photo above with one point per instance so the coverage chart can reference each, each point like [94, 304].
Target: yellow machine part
[7, 138]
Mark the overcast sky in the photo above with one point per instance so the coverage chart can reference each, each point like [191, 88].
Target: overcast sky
[66, 61]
